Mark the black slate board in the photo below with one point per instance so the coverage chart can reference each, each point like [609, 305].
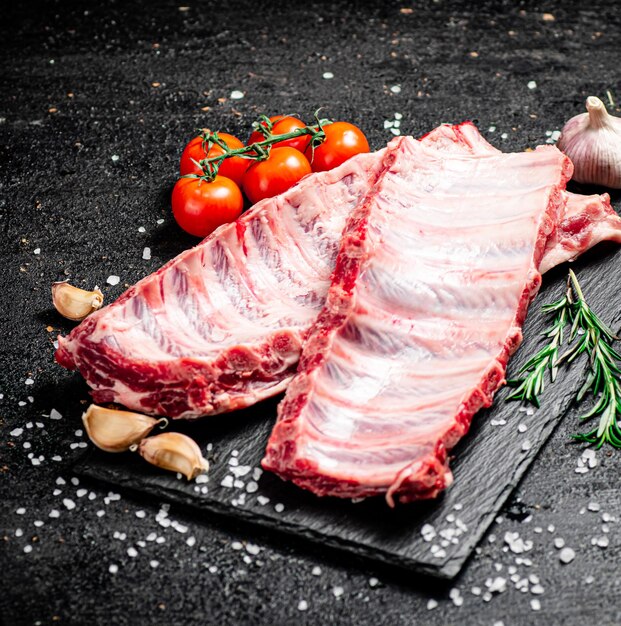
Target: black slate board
[487, 464]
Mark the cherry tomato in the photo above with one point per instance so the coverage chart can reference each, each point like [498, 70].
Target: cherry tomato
[233, 167]
[343, 140]
[281, 170]
[281, 125]
[200, 206]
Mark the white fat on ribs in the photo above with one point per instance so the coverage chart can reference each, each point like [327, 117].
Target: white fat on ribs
[436, 269]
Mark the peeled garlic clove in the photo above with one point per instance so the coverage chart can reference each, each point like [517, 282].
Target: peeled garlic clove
[117, 431]
[592, 141]
[75, 303]
[174, 452]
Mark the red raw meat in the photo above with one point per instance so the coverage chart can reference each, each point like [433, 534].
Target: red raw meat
[221, 326]
[436, 269]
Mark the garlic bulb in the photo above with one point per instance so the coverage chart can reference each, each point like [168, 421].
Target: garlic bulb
[174, 452]
[75, 303]
[117, 431]
[592, 141]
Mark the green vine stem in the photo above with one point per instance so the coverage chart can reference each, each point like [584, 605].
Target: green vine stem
[257, 151]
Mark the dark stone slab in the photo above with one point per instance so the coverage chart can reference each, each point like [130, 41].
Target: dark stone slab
[488, 463]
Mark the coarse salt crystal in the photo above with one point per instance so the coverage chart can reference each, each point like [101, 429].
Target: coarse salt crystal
[141, 229]
[146, 254]
[532, 84]
[69, 504]
[373, 582]
[191, 541]
[431, 604]
[27, 549]
[37, 251]
[141, 514]
[535, 604]
[55, 415]
[237, 95]
[113, 569]
[16, 432]
[29, 381]
[236, 545]
[337, 591]
[263, 500]
[316, 571]
[20, 511]
[279, 508]
[396, 89]
[54, 513]
[115, 157]
[132, 552]
[154, 563]
[113, 280]
[567, 555]
[328, 75]
[302, 605]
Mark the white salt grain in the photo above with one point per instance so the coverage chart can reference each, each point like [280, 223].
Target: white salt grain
[16, 432]
[113, 569]
[154, 563]
[132, 552]
[279, 508]
[55, 415]
[27, 549]
[191, 541]
[316, 571]
[302, 605]
[431, 604]
[141, 514]
[113, 280]
[328, 75]
[535, 604]
[337, 591]
[237, 95]
[532, 84]
[396, 89]
[567, 555]
[20, 511]
[146, 254]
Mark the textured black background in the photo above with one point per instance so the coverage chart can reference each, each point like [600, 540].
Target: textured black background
[83, 82]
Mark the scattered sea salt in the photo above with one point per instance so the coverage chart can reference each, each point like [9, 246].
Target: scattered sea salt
[328, 75]
[141, 514]
[115, 157]
[16, 432]
[302, 605]
[154, 563]
[567, 555]
[113, 280]
[20, 511]
[55, 415]
[237, 95]
[29, 381]
[373, 582]
[146, 254]
[37, 251]
[535, 604]
[27, 549]
[431, 604]
[316, 571]
[237, 545]
[396, 89]
[532, 84]
[54, 513]
[132, 552]
[113, 569]
[279, 508]
[338, 591]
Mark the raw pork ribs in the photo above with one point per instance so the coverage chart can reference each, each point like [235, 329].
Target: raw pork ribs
[221, 326]
[433, 279]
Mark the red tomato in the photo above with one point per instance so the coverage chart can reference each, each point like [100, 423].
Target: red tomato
[281, 170]
[200, 206]
[282, 125]
[343, 141]
[233, 167]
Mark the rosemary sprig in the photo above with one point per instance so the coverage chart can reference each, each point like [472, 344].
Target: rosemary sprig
[258, 150]
[528, 388]
[588, 335]
[604, 378]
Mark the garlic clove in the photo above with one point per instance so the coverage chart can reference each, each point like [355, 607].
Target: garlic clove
[75, 303]
[174, 452]
[117, 431]
[592, 141]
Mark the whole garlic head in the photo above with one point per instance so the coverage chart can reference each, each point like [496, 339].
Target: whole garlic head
[592, 140]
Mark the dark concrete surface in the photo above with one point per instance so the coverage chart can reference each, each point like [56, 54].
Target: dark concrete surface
[81, 83]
